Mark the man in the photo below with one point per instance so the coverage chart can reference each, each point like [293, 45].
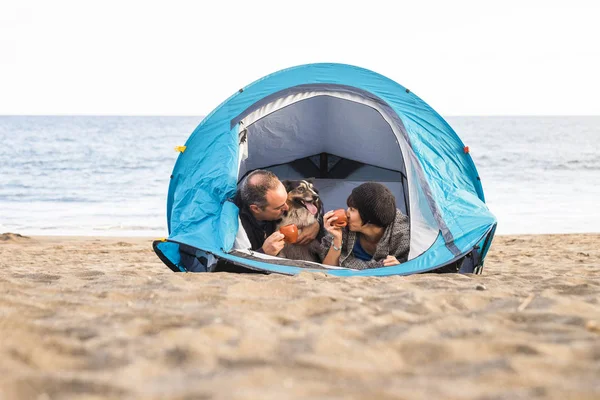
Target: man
[262, 200]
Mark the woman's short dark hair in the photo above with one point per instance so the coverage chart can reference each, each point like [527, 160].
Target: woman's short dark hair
[375, 203]
[256, 185]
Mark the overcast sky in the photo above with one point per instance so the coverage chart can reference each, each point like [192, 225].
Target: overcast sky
[186, 57]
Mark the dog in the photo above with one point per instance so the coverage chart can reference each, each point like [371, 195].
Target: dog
[305, 208]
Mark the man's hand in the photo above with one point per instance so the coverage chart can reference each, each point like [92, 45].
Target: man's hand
[390, 260]
[273, 244]
[308, 234]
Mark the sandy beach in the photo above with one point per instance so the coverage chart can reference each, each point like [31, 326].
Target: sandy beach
[100, 318]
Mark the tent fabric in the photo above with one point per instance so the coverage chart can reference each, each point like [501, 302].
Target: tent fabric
[346, 128]
[354, 116]
[344, 123]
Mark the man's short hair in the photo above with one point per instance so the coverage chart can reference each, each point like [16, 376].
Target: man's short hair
[256, 185]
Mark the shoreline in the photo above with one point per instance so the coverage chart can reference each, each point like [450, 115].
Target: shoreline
[71, 236]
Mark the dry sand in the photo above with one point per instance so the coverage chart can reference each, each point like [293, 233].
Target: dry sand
[92, 318]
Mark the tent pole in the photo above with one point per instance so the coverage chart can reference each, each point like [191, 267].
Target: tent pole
[323, 166]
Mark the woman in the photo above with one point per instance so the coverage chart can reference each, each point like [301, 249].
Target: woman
[377, 234]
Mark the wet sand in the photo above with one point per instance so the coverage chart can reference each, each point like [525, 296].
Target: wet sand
[103, 318]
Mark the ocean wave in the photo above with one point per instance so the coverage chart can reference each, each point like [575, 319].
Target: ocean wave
[36, 197]
[128, 228]
[574, 166]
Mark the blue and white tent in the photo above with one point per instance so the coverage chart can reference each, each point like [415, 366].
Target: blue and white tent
[343, 125]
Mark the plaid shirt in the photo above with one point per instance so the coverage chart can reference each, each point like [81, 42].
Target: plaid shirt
[395, 242]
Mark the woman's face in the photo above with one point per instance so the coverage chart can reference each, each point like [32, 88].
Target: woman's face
[355, 224]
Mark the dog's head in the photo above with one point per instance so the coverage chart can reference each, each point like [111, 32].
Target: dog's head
[303, 194]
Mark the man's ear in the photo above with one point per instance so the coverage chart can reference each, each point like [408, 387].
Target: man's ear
[254, 208]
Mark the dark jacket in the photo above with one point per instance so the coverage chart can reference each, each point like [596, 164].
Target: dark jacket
[257, 231]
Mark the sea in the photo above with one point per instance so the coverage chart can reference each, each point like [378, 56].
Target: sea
[109, 175]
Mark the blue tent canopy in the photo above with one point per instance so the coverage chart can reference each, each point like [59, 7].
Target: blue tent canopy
[343, 125]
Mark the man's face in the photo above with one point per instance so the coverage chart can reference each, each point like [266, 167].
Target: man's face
[276, 205]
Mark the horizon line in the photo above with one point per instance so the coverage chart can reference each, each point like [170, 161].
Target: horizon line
[204, 115]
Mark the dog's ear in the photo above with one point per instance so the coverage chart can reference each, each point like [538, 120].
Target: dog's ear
[311, 182]
[287, 184]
